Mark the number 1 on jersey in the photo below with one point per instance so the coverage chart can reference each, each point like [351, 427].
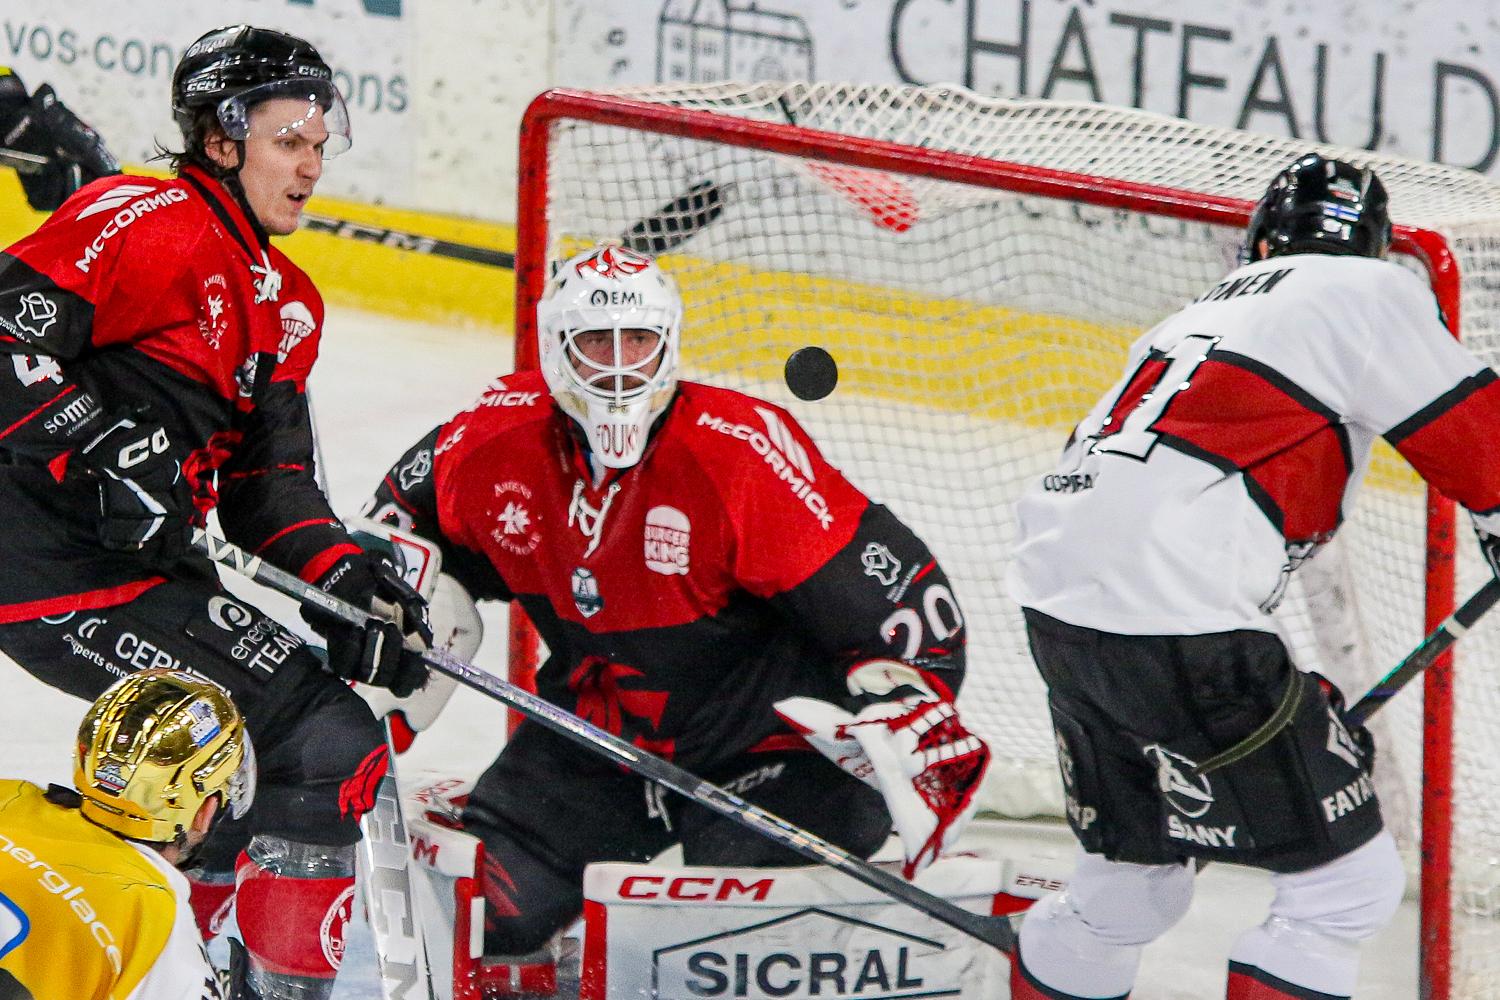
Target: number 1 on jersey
[1128, 428]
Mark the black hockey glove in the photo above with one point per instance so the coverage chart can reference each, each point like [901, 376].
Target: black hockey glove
[44, 127]
[1364, 742]
[145, 504]
[387, 650]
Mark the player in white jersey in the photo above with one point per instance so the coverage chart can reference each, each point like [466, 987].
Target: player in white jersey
[1150, 562]
[92, 904]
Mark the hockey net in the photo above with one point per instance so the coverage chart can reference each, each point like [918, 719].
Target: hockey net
[977, 267]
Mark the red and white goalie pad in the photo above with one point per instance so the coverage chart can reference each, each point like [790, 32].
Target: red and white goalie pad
[916, 751]
[450, 903]
[659, 930]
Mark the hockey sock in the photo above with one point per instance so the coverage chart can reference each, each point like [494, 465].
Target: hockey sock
[1308, 947]
[295, 902]
[211, 899]
[1024, 987]
[1246, 982]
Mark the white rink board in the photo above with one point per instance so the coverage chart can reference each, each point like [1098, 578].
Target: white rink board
[380, 384]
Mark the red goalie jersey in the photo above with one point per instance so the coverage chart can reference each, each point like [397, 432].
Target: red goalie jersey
[731, 567]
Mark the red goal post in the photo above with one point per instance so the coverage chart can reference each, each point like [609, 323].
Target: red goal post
[817, 176]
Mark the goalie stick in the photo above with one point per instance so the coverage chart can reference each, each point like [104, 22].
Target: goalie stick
[995, 931]
[667, 228]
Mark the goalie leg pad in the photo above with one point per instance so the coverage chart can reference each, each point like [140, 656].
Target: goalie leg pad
[1086, 941]
[537, 845]
[1311, 937]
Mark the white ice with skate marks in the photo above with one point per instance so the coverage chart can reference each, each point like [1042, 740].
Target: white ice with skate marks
[380, 384]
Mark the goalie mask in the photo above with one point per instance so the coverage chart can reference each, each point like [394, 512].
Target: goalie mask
[153, 747]
[607, 331]
[1319, 205]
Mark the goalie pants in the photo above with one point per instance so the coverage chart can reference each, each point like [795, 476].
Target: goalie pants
[545, 809]
[319, 750]
[1134, 715]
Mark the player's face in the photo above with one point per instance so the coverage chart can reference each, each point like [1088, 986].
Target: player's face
[636, 346]
[283, 160]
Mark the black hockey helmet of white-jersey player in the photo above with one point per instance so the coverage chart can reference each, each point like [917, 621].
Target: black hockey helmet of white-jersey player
[228, 71]
[1321, 205]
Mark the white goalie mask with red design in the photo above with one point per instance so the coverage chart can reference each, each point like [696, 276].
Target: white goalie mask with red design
[607, 333]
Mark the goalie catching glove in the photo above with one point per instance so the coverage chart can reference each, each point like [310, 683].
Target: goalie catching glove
[912, 747]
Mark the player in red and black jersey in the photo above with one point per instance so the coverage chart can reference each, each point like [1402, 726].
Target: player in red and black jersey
[1151, 564]
[695, 567]
[156, 351]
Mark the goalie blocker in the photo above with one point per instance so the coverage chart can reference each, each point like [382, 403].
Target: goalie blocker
[668, 930]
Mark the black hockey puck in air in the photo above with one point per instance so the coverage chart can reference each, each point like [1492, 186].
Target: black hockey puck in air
[811, 373]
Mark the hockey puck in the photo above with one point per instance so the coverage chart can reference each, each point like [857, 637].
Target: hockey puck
[811, 373]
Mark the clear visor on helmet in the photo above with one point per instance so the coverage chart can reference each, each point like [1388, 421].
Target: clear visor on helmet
[618, 365]
[310, 109]
[241, 788]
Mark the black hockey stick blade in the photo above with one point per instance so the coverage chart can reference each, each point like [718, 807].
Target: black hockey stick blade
[677, 221]
[671, 226]
[399, 240]
[995, 931]
[1428, 650]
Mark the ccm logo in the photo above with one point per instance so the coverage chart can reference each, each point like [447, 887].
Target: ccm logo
[138, 451]
[688, 887]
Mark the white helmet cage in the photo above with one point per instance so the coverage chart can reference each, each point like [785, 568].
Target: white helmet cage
[610, 289]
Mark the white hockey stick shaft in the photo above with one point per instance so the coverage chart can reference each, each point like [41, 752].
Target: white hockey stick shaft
[384, 862]
[995, 931]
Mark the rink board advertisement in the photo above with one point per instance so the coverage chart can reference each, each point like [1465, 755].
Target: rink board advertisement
[434, 90]
[692, 933]
[1423, 84]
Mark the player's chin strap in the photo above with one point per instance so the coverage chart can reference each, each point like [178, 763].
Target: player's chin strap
[995, 931]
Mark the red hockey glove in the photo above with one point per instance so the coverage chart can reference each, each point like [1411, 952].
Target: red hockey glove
[387, 650]
[917, 752]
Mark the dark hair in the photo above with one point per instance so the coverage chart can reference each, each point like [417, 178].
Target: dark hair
[205, 123]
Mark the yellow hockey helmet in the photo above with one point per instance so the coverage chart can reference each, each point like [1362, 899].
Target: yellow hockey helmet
[153, 747]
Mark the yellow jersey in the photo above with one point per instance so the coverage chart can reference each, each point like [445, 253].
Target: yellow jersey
[85, 914]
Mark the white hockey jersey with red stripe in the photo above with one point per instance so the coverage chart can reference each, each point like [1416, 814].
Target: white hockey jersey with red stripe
[1228, 451]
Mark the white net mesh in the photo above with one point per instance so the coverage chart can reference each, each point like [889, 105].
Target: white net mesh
[974, 326]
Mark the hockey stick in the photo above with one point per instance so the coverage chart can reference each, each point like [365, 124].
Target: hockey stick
[1429, 649]
[1437, 642]
[383, 862]
[994, 931]
[23, 163]
[668, 228]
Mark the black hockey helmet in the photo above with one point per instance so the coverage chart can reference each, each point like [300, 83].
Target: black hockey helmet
[1321, 205]
[231, 69]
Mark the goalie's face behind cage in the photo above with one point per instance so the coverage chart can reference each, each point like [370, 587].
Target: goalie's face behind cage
[1319, 205]
[607, 330]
